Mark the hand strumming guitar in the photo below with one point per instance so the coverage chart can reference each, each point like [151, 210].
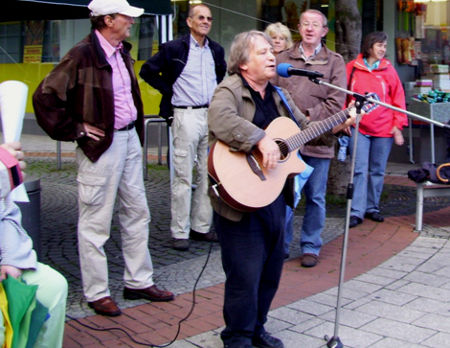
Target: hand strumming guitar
[270, 152]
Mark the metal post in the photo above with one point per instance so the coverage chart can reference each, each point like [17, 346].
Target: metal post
[58, 155]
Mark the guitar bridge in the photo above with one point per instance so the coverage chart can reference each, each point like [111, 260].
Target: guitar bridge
[255, 167]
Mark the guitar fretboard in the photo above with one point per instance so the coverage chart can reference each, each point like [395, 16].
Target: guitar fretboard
[315, 129]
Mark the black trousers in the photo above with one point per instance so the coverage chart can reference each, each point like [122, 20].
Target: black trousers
[252, 258]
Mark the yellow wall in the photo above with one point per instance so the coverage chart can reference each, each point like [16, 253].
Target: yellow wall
[33, 73]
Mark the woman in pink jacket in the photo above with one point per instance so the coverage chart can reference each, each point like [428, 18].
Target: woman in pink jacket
[371, 72]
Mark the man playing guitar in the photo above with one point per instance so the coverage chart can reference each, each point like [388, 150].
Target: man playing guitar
[251, 240]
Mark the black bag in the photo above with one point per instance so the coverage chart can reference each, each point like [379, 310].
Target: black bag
[438, 174]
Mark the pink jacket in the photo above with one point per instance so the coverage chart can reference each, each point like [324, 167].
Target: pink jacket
[385, 82]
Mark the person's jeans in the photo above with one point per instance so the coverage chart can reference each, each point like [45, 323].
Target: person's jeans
[372, 154]
[314, 220]
[299, 183]
[252, 259]
[289, 231]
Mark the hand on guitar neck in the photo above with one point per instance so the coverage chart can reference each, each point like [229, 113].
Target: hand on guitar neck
[368, 107]
[270, 152]
[345, 127]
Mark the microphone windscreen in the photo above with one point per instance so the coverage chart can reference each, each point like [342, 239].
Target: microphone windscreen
[283, 69]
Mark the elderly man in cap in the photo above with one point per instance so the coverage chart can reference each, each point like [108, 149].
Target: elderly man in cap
[92, 97]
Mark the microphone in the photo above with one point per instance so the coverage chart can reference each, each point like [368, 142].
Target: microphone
[286, 70]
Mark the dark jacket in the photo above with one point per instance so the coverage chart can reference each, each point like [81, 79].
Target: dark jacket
[79, 89]
[162, 70]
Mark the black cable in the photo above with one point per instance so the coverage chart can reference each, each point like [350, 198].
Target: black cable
[179, 323]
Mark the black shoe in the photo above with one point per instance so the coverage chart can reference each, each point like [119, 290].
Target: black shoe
[354, 220]
[206, 237]
[375, 216]
[180, 244]
[265, 340]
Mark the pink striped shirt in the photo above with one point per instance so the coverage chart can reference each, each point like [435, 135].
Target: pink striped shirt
[124, 108]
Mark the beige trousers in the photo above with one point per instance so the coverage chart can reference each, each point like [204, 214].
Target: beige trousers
[117, 173]
[190, 150]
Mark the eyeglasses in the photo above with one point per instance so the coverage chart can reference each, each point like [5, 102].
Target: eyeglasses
[315, 25]
[202, 18]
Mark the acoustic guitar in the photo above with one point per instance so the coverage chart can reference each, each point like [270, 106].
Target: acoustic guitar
[239, 178]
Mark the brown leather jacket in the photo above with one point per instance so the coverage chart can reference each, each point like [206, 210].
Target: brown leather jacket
[79, 89]
[316, 101]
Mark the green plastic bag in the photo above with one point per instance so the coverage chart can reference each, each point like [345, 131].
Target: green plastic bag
[20, 297]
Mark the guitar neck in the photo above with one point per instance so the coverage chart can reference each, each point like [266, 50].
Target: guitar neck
[316, 129]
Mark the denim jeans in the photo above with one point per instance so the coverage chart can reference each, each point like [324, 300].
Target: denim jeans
[314, 220]
[372, 154]
[300, 181]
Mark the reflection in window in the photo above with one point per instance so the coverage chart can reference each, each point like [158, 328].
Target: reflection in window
[148, 44]
[51, 49]
[11, 42]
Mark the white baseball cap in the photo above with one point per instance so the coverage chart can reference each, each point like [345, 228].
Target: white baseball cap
[106, 7]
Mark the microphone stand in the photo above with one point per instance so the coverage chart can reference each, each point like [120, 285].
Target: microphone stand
[334, 341]
[374, 101]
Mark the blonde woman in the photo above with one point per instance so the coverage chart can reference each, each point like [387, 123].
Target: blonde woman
[281, 37]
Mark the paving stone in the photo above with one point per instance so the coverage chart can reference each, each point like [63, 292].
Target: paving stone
[350, 318]
[290, 315]
[390, 311]
[434, 322]
[425, 291]
[350, 337]
[387, 272]
[361, 286]
[393, 297]
[292, 339]
[328, 300]
[310, 307]
[395, 329]
[426, 279]
[391, 342]
[439, 340]
[427, 305]
[375, 279]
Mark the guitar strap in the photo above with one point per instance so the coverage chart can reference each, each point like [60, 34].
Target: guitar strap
[286, 105]
[300, 179]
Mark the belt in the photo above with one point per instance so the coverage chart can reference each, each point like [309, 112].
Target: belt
[127, 127]
[192, 107]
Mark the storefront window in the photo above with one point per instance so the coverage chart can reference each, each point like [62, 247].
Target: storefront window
[51, 42]
[148, 37]
[426, 25]
[233, 17]
[11, 42]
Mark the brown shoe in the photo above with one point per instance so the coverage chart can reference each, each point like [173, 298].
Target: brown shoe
[206, 237]
[309, 260]
[151, 293]
[105, 306]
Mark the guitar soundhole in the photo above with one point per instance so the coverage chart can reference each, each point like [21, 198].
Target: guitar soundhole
[283, 149]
